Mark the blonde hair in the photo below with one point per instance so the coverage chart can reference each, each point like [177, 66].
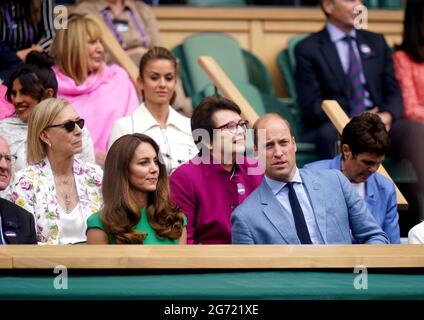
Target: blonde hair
[69, 47]
[40, 118]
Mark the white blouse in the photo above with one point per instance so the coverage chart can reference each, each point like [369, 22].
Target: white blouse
[175, 141]
[72, 226]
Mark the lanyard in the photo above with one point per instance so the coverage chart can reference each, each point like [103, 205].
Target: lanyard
[109, 22]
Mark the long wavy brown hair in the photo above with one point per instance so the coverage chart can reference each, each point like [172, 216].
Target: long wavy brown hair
[120, 213]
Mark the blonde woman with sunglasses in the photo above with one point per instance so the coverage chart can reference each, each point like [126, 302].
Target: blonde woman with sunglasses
[57, 189]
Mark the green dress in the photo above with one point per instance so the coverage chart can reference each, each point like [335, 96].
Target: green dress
[94, 221]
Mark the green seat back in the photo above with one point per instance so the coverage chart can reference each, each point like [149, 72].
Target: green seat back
[372, 3]
[224, 49]
[258, 74]
[395, 4]
[182, 70]
[248, 91]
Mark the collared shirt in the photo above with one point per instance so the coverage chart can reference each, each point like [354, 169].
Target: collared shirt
[175, 141]
[280, 191]
[337, 37]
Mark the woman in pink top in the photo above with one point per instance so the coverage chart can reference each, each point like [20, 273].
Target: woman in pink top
[220, 177]
[409, 62]
[99, 93]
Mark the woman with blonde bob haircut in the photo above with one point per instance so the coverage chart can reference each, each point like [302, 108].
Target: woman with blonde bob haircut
[99, 93]
[56, 188]
[137, 207]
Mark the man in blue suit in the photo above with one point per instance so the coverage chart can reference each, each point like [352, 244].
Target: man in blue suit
[364, 143]
[293, 206]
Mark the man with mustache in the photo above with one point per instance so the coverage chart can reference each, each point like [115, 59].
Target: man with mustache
[293, 206]
[16, 224]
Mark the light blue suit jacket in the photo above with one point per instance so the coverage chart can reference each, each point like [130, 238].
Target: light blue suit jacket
[337, 207]
[380, 197]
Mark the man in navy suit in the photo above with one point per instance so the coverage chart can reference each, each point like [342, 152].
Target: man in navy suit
[293, 206]
[322, 63]
[364, 143]
[16, 224]
[355, 68]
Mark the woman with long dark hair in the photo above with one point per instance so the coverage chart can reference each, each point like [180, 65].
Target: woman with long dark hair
[137, 208]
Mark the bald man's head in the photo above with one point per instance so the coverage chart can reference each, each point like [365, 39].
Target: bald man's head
[261, 123]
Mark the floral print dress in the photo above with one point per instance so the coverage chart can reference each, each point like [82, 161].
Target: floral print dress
[34, 190]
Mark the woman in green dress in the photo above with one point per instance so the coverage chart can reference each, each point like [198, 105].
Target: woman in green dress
[137, 209]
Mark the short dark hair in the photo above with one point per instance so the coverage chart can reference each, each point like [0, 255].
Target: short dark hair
[268, 115]
[413, 30]
[202, 115]
[366, 133]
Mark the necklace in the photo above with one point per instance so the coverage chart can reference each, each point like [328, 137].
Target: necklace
[66, 190]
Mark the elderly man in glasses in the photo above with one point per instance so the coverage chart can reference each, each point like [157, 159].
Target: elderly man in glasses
[220, 177]
[16, 224]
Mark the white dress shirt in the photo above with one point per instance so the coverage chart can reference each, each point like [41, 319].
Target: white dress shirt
[282, 194]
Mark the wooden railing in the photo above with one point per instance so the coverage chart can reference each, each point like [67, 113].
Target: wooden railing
[211, 257]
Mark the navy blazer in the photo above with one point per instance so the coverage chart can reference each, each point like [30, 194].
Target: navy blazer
[319, 76]
[18, 225]
[337, 207]
[380, 197]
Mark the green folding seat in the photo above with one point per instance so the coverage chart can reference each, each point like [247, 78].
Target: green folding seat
[224, 49]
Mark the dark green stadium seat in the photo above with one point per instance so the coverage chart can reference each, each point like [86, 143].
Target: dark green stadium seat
[382, 4]
[224, 49]
[241, 67]
[258, 74]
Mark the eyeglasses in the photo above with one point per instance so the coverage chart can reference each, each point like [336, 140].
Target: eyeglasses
[232, 126]
[8, 157]
[70, 125]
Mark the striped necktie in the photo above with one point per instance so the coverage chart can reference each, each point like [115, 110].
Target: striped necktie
[356, 88]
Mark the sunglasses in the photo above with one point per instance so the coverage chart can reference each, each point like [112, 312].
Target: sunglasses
[70, 125]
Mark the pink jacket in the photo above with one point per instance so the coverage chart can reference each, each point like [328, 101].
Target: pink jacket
[100, 100]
